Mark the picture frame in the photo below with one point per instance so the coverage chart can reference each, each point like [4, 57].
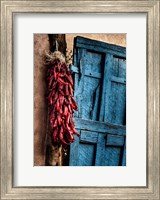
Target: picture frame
[151, 190]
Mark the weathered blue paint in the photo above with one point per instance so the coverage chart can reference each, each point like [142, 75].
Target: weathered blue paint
[74, 152]
[102, 127]
[86, 154]
[90, 137]
[124, 155]
[100, 91]
[114, 140]
[102, 47]
[112, 156]
[100, 151]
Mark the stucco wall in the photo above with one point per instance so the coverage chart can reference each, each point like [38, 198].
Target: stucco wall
[118, 39]
[41, 44]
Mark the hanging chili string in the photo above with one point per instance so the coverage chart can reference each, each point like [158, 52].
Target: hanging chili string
[60, 101]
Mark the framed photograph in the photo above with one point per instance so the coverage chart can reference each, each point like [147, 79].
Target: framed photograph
[80, 100]
[85, 100]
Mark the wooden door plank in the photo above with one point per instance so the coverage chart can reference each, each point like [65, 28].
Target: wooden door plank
[74, 151]
[95, 106]
[112, 156]
[118, 80]
[118, 93]
[89, 137]
[115, 103]
[100, 151]
[86, 154]
[98, 46]
[88, 86]
[115, 67]
[92, 65]
[75, 76]
[113, 140]
[118, 102]
[79, 81]
[89, 92]
[106, 89]
[102, 127]
[124, 155]
[122, 68]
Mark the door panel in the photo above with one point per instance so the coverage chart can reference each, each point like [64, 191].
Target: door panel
[106, 89]
[90, 95]
[114, 91]
[86, 154]
[100, 92]
[112, 156]
[93, 62]
[87, 89]
[117, 103]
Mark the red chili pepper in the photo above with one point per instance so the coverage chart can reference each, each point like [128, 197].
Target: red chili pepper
[55, 135]
[61, 111]
[66, 90]
[67, 118]
[61, 136]
[70, 89]
[59, 119]
[76, 132]
[70, 137]
[72, 125]
[50, 101]
[69, 109]
[59, 66]
[61, 103]
[61, 99]
[60, 80]
[74, 107]
[57, 105]
[69, 78]
[52, 117]
[50, 81]
[53, 86]
[52, 92]
[61, 92]
[67, 127]
[55, 123]
[55, 97]
[60, 86]
[65, 110]
[73, 101]
[66, 101]
[55, 74]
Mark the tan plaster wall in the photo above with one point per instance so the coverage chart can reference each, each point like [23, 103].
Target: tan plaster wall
[41, 44]
[117, 39]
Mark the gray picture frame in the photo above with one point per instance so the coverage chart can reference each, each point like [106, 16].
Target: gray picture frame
[151, 8]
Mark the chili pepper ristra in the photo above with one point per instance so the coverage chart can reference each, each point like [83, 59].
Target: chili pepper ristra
[61, 103]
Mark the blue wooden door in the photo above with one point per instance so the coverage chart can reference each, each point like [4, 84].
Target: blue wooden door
[100, 91]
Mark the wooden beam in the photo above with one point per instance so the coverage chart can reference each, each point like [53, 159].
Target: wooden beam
[100, 127]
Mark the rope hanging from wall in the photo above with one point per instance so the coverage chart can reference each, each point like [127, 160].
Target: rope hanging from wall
[61, 103]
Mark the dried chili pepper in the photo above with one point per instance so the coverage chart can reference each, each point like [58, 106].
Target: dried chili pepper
[61, 103]
[70, 89]
[69, 78]
[60, 80]
[66, 90]
[65, 110]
